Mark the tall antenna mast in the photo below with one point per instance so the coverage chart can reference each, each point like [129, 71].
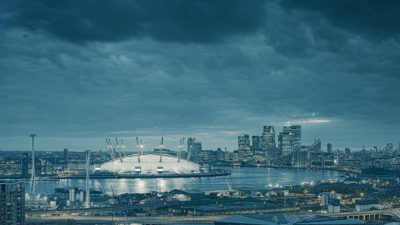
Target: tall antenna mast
[33, 177]
[161, 148]
[87, 202]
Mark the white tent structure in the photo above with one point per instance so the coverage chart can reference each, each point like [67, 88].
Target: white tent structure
[150, 164]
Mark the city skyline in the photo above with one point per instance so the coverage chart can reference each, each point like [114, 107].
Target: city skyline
[205, 69]
[171, 142]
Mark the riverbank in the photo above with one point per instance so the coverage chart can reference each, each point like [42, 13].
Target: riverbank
[218, 173]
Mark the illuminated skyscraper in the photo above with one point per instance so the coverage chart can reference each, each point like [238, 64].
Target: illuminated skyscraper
[244, 142]
[268, 138]
[290, 139]
[255, 143]
[243, 146]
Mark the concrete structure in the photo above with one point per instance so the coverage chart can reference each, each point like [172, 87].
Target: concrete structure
[367, 204]
[81, 196]
[12, 203]
[327, 196]
[334, 206]
[72, 195]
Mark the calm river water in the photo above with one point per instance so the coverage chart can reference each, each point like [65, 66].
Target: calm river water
[242, 177]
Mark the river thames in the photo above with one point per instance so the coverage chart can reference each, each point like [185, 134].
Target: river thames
[252, 178]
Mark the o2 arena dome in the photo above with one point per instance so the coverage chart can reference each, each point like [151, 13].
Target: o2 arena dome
[150, 164]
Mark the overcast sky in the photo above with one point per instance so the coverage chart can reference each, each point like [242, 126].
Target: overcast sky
[75, 72]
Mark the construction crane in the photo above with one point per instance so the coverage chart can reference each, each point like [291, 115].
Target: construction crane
[233, 184]
[138, 146]
[123, 147]
[161, 148]
[110, 148]
[118, 149]
[190, 150]
[180, 147]
[229, 186]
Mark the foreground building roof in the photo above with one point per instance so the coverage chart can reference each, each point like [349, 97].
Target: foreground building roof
[322, 220]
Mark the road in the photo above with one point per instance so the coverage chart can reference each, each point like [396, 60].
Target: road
[149, 220]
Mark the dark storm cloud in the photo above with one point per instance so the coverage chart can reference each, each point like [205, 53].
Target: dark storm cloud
[378, 20]
[148, 68]
[174, 20]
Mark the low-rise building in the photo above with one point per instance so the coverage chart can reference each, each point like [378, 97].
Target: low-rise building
[367, 204]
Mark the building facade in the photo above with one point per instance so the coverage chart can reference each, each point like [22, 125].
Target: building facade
[24, 165]
[12, 203]
[290, 139]
[268, 138]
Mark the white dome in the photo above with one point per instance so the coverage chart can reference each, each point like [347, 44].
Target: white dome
[149, 164]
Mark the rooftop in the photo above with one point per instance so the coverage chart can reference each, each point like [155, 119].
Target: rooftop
[238, 219]
[321, 220]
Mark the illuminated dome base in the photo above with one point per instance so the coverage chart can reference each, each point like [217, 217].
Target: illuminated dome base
[150, 164]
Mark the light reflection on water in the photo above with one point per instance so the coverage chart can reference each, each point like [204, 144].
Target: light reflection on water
[245, 177]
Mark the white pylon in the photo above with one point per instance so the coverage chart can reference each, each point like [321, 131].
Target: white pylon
[33, 177]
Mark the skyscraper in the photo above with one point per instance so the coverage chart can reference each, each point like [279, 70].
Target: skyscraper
[255, 143]
[24, 165]
[316, 146]
[244, 142]
[12, 203]
[329, 148]
[197, 148]
[290, 139]
[65, 156]
[268, 138]
[190, 142]
[243, 146]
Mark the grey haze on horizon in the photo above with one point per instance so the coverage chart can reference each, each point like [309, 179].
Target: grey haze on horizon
[75, 72]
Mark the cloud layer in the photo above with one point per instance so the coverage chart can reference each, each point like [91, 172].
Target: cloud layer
[211, 69]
